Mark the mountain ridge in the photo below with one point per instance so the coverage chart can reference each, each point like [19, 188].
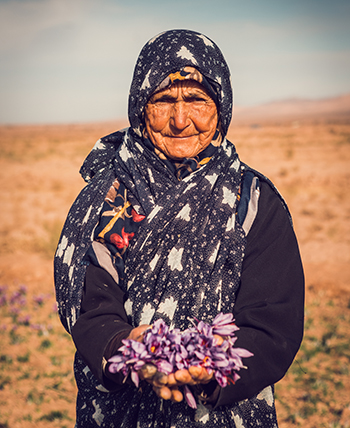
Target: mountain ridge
[335, 108]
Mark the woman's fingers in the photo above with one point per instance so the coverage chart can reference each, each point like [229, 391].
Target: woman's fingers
[138, 332]
[166, 393]
[192, 376]
[159, 379]
[171, 380]
[147, 371]
[177, 395]
[163, 392]
[200, 374]
[183, 377]
[196, 372]
[219, 339]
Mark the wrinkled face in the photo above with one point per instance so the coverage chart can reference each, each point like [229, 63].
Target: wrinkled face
[181, 120]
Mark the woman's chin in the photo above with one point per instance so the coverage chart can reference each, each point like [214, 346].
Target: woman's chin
[180, 155]
[182, 150]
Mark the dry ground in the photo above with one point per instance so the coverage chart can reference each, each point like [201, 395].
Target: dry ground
[309, 163]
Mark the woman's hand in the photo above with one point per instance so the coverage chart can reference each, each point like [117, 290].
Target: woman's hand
[167, 386]
[138, 332]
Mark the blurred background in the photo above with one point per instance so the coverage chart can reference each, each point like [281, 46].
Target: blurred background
[65, 71]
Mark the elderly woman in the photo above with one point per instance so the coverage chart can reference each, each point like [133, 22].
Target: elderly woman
[173, 225]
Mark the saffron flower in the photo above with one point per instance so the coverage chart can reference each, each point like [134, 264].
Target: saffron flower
[24, 319]
[170, 350]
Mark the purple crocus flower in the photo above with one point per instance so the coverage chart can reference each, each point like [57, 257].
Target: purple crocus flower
[3, 289]
[164, 366]
[15, 296]
[38, 327]
[223, 325]
[14, 310]
[191, 401]
[23, 289]
[24, 319]
[39, 299]
[135, 378]
[3, 300]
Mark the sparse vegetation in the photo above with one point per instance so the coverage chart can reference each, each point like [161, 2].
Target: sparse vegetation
[39, 180]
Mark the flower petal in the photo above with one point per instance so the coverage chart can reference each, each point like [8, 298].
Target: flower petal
[191, 401]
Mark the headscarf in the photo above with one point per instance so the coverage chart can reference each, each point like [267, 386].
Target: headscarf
[177, 52]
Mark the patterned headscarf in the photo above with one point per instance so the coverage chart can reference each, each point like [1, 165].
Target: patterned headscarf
[176, 55]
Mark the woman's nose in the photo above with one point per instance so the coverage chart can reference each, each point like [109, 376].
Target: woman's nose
[180, 115]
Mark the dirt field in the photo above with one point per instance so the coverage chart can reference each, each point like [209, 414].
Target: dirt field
[308, 161]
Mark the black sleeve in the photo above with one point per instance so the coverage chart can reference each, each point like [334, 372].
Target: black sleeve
[269, 308]
[102, 323]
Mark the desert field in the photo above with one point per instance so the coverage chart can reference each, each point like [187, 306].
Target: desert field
[308, 160]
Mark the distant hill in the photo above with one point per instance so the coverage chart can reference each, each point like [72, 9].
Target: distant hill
[332, 109]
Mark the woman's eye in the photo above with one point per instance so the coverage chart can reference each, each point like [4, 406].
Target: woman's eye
[163, 100]
[196, 99]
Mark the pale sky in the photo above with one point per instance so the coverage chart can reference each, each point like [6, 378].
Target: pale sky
[72, 60]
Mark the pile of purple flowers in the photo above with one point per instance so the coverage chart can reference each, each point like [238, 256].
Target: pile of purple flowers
[171, 350]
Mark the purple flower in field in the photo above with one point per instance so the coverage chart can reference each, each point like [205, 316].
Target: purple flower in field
[14, 310]
[17, 298]
[35, 326]
[3, 300]
[3, 289]
[22, 301]
[23, 289]
[38, 327]
[39, 299]
[14, 297]
[24, 319]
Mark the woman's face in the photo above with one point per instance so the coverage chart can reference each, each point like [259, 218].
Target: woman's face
[181, 120]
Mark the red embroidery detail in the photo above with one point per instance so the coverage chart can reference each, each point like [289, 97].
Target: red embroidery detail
[121, 241]
[137, 217]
